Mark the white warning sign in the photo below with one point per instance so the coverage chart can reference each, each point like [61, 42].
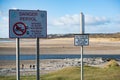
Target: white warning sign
[81, 40]
[27, 24]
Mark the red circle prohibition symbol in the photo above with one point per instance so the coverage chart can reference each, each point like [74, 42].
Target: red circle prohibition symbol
[19, 28]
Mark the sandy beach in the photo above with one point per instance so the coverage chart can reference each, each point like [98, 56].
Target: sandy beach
[62, 46]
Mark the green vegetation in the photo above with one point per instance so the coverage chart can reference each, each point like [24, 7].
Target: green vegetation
[14, 78]
[110, 72]
[73, 73]
[91, 73]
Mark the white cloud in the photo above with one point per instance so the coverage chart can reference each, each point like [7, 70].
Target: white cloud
[5, 19]
[0, 13]
[3, 25]
[75, 20]
[66, 20]
[14, 8]
[4, 29]
[94, 20]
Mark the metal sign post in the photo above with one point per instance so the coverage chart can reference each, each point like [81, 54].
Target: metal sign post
[17, 59]
[37, 59]
[82, 32]
[82, 69]
[81, 40]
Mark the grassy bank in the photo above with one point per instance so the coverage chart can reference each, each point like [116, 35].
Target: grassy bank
[91, 73]
[73, 73]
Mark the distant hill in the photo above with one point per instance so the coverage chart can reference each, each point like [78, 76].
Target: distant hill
[95, 35]
[112, 35]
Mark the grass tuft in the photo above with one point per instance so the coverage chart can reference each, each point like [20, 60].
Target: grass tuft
[111, 63]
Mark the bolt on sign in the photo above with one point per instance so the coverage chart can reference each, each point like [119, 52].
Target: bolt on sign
[81, 40]
[27, 24]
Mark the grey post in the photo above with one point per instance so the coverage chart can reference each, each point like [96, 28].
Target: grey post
[82, 23]
[82, 32]
[17, 59]
[37, 59]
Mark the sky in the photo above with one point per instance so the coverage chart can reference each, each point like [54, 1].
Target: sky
[63, 16]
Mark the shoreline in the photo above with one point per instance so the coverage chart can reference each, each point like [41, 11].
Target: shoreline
[50, 65]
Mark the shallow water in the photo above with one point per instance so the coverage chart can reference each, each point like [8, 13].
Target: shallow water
[56, 56]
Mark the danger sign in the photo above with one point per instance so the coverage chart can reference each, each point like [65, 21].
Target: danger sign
[27, 24]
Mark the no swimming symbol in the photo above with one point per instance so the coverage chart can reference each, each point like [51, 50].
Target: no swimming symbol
[19, 28]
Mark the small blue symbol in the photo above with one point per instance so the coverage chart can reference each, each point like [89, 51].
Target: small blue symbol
[42, 15]
[14, 15]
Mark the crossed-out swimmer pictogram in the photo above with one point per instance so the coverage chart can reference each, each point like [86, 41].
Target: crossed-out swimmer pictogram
[19, 28]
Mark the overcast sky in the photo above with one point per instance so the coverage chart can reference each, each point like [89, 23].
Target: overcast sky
[63, 16]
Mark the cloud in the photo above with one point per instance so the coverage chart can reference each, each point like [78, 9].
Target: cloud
[70, 20]
[94, 20]
[14, 8]
[66, 20]
[3, 25]
[0, 13]
[5, 19]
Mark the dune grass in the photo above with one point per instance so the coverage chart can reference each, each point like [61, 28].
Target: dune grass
[90, 73]
[73, 73]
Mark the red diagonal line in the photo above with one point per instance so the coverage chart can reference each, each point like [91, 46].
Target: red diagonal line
[18, 28]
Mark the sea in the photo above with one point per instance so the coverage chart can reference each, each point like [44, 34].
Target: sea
[58, 56]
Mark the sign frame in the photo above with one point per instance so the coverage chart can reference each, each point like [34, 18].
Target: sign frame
[30, 32]
[81, 35]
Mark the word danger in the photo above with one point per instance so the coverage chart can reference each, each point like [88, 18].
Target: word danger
[28, 16]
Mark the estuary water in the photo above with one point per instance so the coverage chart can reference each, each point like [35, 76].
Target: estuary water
[57, 56]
